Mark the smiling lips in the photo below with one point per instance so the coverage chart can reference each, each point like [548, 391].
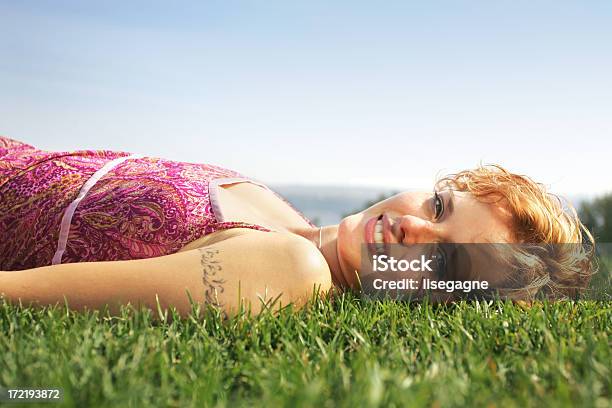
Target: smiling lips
[378, 230]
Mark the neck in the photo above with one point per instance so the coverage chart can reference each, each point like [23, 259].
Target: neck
[328, 248]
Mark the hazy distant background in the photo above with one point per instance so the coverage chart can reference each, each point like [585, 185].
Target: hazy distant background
[369, 96]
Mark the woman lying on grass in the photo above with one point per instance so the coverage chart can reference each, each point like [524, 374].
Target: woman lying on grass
[107, 228]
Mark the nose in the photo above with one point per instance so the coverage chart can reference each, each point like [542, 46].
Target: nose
[416, 230]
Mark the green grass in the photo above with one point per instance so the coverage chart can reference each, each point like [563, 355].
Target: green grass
[345, 352]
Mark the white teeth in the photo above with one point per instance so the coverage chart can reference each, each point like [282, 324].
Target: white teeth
[378, 227]
[378, 233]
[378, 238]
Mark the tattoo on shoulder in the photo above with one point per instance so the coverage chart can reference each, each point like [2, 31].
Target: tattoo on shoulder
[213, 283]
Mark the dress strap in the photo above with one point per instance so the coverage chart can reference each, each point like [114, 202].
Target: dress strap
[69, 212]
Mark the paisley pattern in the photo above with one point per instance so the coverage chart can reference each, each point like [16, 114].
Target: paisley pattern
[143, 208]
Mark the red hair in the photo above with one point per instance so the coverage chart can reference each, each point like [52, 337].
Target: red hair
[560, 262]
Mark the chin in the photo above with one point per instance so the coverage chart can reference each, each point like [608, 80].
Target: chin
[350, 238]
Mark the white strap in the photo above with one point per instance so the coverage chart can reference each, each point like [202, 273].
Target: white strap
[69, 213]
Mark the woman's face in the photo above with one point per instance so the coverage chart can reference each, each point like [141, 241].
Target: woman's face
[419, 218]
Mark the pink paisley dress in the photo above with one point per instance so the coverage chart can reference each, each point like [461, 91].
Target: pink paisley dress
[142, 207]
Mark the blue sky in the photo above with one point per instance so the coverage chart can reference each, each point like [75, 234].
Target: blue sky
[361, 93]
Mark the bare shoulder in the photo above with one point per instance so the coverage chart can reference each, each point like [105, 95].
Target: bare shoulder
[282, 252]
[303, 259]
[305, 255]
[271, 243]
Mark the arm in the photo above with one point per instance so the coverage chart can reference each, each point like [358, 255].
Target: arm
[252, 265]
